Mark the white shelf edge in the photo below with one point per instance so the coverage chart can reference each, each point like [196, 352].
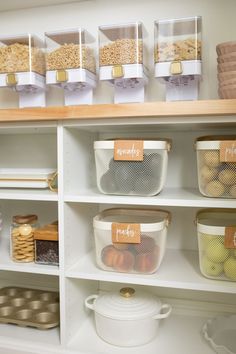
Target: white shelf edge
[181, 197]
[184, 267]
[30, 268]
[23, 194]
[180, 325]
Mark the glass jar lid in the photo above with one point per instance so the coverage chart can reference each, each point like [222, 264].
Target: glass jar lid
[127, 304]
[25, 219]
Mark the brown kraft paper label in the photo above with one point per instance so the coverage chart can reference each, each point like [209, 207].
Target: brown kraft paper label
[125, 233]
[128, 150]
[230, 237]
[228, 151]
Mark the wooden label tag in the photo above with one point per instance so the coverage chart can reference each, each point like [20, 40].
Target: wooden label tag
[230, 237]
[128, 150]
[126, 233]
[228, 151]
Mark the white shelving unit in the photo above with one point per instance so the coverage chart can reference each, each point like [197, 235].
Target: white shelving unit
[68, 144]
[63, 137]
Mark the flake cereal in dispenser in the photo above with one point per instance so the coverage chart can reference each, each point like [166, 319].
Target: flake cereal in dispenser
[178, 57]
[71, 65]
[22, 68]
[122, 60]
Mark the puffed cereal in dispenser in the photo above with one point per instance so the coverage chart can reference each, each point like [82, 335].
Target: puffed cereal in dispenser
[22, 68]
[178, 57]
[70, 64]
[122, 60]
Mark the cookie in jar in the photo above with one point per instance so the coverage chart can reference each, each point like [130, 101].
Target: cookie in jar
[22, 237]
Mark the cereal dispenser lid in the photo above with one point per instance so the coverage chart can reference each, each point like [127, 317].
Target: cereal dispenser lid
[127, 304]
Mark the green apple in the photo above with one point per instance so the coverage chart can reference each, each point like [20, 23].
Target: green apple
[206, 238]
[216, 251]
[211, 268]
[230, 268]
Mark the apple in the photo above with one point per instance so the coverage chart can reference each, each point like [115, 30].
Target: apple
[230, 268]
[211, 268]
[216, 251]
[206, 238]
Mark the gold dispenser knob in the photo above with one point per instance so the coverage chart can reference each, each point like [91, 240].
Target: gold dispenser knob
[127, 292]
[11, 79]
[176, 68]
[117, 71]
[61, 75]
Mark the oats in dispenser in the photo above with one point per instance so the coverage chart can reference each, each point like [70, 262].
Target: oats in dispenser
[122, 60]
[178, 57]
[70, 64]
[22, 68]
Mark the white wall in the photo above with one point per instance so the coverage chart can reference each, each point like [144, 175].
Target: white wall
[218, 19]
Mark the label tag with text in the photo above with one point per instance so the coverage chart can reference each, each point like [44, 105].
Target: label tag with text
[228, 151]
[128, 150]
[126, 233]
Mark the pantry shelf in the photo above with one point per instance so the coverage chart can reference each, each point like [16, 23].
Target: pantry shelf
[7, 264]
[180, 326]
[27, 336]
[28, 194]
[182, 197]
[185, 111]
[184, 273]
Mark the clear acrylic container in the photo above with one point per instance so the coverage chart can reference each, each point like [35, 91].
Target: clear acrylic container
[178, 40]
[22, 68]
[178, 56]
[141, 247]
[22, 53]
[131, 167]
[121, 44]
[216, 163]
[46, 245]
[70, 49]
[22, 237]
[122, 60]
[71, 64]
[217, 243]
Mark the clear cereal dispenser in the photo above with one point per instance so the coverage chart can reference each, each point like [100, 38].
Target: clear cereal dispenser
[178, 57]
[22, 68]
[122, 60]
[71, 65]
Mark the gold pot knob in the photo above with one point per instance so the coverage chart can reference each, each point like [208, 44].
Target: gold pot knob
[127, 292]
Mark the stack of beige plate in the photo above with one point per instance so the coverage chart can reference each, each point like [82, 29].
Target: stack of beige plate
[226, 69]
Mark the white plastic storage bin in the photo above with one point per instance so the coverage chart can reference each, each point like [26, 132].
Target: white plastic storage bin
[216, 161]
[22, 68]
[131, 167]
[217, 243]
[130, 240]
[122, 60]
[178, 56]
[71, 65]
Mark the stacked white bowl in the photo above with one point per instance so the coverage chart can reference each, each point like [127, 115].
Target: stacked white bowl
[226, 58]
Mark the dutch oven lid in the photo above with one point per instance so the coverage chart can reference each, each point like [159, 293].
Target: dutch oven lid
[127, 304]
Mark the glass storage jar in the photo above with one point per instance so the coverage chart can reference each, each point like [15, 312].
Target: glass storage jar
[46, 245]
[22, 237]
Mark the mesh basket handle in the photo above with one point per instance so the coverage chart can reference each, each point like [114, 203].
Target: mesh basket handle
[141, 212]
[213, 210]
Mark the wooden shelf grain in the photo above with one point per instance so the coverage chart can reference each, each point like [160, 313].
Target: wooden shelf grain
[132, 110]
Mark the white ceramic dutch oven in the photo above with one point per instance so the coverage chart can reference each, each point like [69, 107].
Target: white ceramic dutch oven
[127, 318]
